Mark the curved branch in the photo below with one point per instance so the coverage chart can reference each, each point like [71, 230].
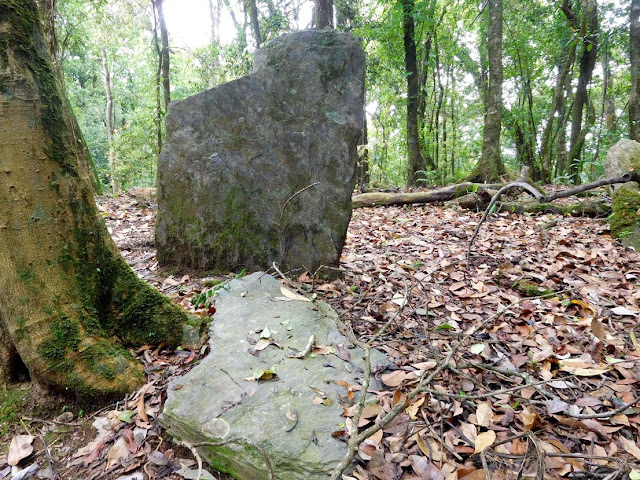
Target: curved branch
[520, 184]
[631, 176]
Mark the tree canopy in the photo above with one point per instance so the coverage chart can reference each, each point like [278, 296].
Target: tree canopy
[566, 92]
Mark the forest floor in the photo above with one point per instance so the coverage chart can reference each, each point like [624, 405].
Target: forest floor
[541, 331]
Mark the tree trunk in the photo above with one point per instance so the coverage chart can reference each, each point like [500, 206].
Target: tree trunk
[159, 112]
[416, 159]
[634, 54]
[214, 14]
[164, 35]
[363, 174]
[558, 103]
[70, 305]
[587, 64]
[323, 14]
[47, 10]
[255, 22]
[115, 184]
[490, 166]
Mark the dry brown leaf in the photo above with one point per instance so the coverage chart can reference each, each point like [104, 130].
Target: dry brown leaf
[531, 420]
[413, 409]
[119, 452]
[597, 328]
[484, 441]
[518, 447]
[630, 446]
[475, 475]
[293, 295]
[484, 414]
[21, 447]
[394, 379]
[398, 396]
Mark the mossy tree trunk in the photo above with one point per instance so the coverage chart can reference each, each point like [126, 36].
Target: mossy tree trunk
[490, 166]
[70, 305]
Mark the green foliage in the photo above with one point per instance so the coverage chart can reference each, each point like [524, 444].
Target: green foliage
[206, 297]
[452, 57]
[12, 400]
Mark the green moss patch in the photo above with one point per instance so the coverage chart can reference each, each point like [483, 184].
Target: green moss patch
[12, 401]
[625, 220]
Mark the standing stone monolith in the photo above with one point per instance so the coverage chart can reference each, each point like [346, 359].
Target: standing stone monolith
[262, 169]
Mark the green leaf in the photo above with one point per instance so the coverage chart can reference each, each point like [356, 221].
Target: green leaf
[477, 349]
[126, 416]
[444, 326]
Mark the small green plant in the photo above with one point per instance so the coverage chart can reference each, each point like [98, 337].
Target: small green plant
[206, 296]
[11, 404]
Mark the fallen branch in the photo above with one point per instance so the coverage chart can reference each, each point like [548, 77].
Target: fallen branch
[374, 199]
[631, 176]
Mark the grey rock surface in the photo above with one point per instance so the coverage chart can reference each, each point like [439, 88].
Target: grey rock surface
[235, 173]
[625, 221]
[622, 156]
[274, 419]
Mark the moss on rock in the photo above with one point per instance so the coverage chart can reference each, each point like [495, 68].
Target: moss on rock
[625, 220]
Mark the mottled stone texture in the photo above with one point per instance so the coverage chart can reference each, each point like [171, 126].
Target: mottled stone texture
[625, 221]
[238, 157]
[274, 419]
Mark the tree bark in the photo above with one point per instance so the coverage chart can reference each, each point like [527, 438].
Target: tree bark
[490, 166]
[416, 161]
[164, 35]
[323, 14]
[115, 184]
[634, 54]
[255, 22]
[47, 9]
[587, 64]
[557, 110]
[159, 112]
[70, 305]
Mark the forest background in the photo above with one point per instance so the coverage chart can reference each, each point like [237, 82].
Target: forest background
[565, 91]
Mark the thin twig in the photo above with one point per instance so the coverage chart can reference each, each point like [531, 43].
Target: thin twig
[292, 197]
[195, 453]
[620, 409]
[307, 349]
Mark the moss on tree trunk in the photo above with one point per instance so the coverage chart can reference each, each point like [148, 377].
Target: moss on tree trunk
[70, 305]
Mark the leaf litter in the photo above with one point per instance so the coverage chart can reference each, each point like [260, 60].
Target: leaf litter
[546, 387]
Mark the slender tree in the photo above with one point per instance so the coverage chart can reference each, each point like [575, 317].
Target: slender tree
[323, 14]
[558, 102]
[106, 72]
[255, 22]
[490, 166]
[634, 53]
[416, 159]
[589, 30]
[70, 305]
[164, 35]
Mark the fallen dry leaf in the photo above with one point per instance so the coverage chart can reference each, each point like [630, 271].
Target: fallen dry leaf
[21, 447]
[484, 441]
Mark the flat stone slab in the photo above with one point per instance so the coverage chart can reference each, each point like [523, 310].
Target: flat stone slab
[286, 421]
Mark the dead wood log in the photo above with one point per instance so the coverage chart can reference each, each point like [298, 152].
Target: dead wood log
[588, 208]
[373, 199]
